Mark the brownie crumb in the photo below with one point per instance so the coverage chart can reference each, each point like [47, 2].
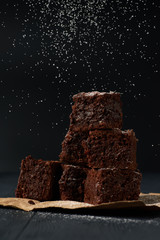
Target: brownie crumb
[31, 202]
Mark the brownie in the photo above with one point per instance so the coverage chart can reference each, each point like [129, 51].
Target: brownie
[109, 185]
[72, 148]
[39, 179]
[111, 148]
[71, 184]
[96, 110]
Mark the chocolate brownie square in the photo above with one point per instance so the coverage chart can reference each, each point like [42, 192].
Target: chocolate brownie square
[71, 184]
[72, 148]
[39, 179]
[111, 148]
[96, 110]
[109, 185]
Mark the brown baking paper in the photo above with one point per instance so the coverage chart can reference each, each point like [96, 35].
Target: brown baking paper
[145, 201]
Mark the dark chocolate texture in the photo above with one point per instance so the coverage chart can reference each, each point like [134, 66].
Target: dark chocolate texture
[71, 184]
[109, 185]
[96, 110]
[111, 148]
[39, 179]
[72, 148]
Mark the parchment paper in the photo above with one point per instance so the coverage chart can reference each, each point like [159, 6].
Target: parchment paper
[145, 201]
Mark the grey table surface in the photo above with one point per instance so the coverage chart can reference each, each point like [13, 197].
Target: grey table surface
[60, 224]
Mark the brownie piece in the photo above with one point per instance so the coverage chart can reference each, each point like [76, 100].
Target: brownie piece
[108, 185]
[96, 110]
[71, 184]
[111, 148]
[39, 179]
[72, 149]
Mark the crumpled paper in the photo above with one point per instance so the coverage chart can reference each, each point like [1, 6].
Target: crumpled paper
[145, 201]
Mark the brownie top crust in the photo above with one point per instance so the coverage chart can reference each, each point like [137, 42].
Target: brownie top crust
[32, 162]
[96, 94]
[115, 132]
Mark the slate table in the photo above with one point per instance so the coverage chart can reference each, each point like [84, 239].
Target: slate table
[68, 225]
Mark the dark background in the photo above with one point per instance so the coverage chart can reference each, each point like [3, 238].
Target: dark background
[50, 50]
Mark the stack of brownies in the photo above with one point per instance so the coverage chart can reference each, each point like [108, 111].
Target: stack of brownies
[99, 159]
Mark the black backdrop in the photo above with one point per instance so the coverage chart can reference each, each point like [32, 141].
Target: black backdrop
[50, 50]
